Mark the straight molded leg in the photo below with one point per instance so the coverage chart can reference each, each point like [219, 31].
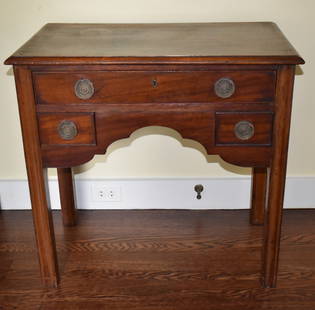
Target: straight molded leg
[277, 175]
[43, 224]
[66, 191]
[273, 228]
[37, 179]
[258, 196]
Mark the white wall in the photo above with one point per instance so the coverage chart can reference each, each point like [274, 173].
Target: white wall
[159, 155]
[159, 193]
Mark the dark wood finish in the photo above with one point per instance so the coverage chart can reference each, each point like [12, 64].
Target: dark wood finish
[67, 196]
[225, 128]
[190, 121]
[43, 224]
[157, 260]
[244, 156]
[48, 128]
[167, 67]
[156, 75]
[217, 43]
[258, 196]
[277, 174]
[137, 87]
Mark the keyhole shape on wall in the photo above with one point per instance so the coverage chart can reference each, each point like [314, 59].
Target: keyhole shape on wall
[198, 190]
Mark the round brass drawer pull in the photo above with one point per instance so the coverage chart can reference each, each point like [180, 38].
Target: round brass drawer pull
[244, 130]
[224, 87]
[84, 89]
[67, 130]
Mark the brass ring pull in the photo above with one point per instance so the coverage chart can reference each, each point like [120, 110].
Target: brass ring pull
[244, 130]
[67, 130]
[84, 89]
[224, 87]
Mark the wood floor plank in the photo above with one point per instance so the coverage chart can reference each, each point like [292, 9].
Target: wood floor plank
[158, 259]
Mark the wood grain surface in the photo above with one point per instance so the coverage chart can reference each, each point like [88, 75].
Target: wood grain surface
[171, 87]
[277, 175]
[37, 179]
[243, 43]
[225, 128]
[48, 124]
[258, 196]
[67, 196]
[173, 260]
[192, 121]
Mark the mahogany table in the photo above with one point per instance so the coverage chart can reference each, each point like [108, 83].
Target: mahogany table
[226, 85]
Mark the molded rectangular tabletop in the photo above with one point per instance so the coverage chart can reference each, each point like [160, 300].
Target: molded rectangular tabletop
[219, 43]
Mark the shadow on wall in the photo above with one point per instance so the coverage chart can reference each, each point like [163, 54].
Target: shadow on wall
[157, 130]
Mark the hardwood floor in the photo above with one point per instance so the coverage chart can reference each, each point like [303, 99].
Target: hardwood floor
[158, 260]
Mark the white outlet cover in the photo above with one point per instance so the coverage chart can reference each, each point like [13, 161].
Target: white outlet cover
[101, 193]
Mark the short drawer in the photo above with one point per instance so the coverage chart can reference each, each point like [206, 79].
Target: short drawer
[243, 128]
[149, 87]
[66, 128]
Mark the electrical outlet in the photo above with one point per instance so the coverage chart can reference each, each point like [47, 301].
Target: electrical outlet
[106, 193]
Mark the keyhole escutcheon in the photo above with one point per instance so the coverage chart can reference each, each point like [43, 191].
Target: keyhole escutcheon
[154, 83]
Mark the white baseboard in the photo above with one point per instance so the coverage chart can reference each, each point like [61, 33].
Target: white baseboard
[219, 193]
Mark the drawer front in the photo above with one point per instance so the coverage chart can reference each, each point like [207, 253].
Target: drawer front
[213, 130]
[66, 128]
[241, 128]
[150, 87]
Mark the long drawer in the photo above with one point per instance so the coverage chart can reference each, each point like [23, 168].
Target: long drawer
[153, 87]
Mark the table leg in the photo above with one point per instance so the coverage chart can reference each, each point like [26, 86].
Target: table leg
[66, 191]
[37, 179]
[258, 196]
[277, 175]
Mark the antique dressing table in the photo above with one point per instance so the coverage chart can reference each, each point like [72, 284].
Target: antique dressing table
[228, 86]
